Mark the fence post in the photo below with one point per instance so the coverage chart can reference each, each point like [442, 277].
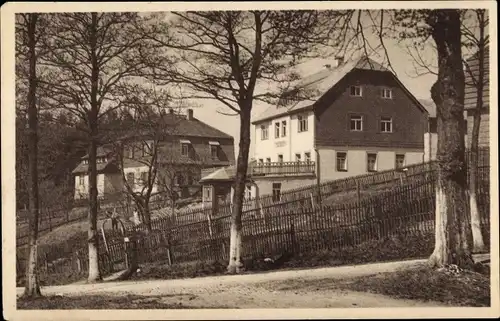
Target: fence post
[209, 221]
[312, 199]
[78, 262]
[169, 249]
[46, 263]
[358, 190]
[292, 237]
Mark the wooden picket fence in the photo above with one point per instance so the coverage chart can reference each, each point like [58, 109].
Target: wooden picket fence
[297, 224]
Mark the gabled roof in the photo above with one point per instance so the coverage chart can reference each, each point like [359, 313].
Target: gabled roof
[429, 106]
[225, 174]
[320, 83]
[101, 152]
[317, 85]
[183, 126]
[170, 124]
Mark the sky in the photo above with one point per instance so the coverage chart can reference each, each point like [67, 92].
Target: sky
[400, 60]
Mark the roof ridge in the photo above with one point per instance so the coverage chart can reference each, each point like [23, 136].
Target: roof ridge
[210, 126]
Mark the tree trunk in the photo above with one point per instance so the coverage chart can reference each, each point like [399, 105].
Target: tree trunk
[32, 286]
[93, 239]
[477, 235]
[145, 213]
[235, 245]
[453, 233]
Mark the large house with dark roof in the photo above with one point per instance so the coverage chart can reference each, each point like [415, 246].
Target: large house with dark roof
[358, 118]
[188, 147]
[346, 120]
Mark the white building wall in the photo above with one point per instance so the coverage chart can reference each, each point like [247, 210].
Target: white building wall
[138, 186]
[294, 142]
[82, 191]
[357, 160]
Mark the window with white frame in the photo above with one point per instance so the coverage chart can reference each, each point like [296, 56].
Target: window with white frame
[277, 130]
[356, 91]
[144, 178]
[248, 192]
[208, 192]
[386, 125]
[356, 123]
[297, 157]
[131, 151]
[280, 158]
[307, 157]
[386, 93]
[400, 160]
[131, 179]
[371, 162]
[276, 192]
[214, 151]
[283, 128]
[81, 180]
[302, 123]
[85, 161]
[341, 161]
[264, 132]
[184, 149]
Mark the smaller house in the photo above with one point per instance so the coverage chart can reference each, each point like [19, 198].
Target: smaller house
[109, 180]
[218, 185]
[184, 149]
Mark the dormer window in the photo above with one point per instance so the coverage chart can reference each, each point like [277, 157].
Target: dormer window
[214, 149]
[184, 149]
[85, 161]
[356, 91]
[386, 93]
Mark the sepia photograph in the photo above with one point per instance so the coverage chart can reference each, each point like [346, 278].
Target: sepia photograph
[325, 156]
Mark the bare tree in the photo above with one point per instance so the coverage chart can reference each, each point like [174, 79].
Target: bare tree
[441, 29]
[453, 232]
[231, 57]
[477, 40]
[139, 147]
[27, 42]
[92, 58]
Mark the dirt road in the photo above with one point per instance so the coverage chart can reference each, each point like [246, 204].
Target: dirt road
[264, 290]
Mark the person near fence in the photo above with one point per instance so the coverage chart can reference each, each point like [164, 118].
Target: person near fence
[136, 218]
[114, 219]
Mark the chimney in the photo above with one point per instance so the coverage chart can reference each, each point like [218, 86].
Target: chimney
[171, 111]
[190, 114]
[340, 60]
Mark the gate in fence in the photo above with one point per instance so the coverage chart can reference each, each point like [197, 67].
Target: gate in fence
[119, 246]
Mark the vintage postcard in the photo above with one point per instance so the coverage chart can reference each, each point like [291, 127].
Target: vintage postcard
[249, 160]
